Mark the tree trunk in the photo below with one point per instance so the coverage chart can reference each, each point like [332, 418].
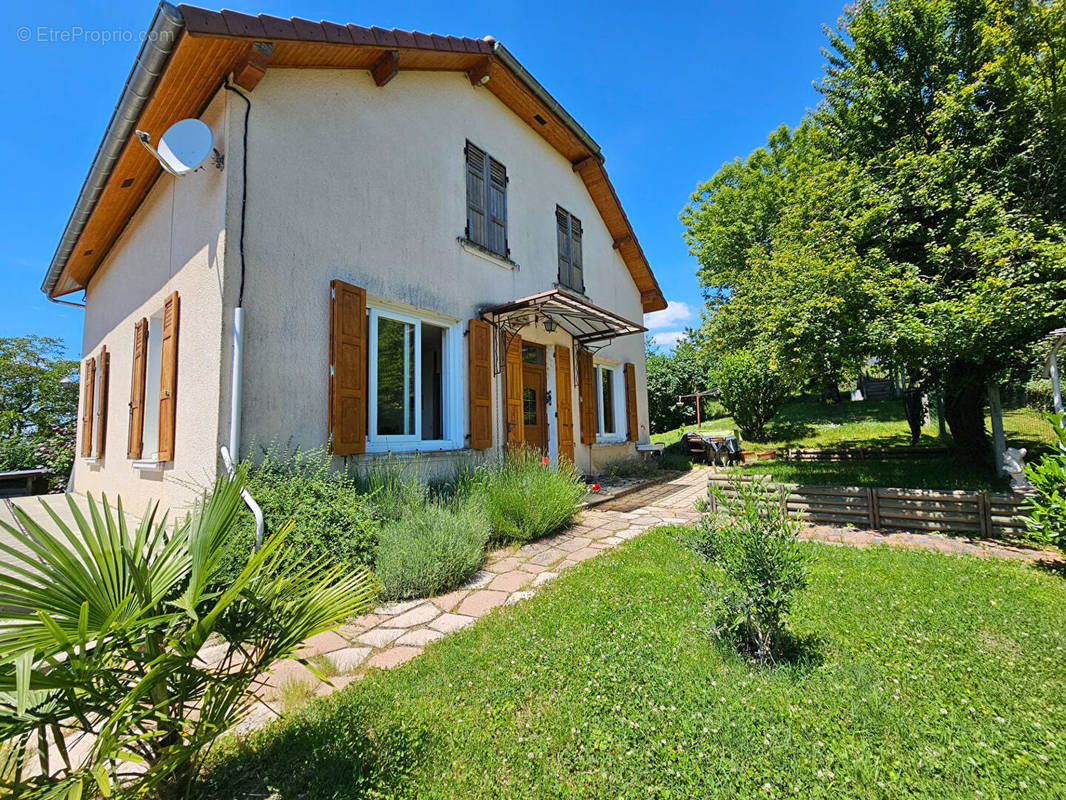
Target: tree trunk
[964, 409]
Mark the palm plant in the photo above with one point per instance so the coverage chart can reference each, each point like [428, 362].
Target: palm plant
[101, 687]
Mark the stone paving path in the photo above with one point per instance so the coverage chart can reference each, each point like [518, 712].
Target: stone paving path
[936, 542]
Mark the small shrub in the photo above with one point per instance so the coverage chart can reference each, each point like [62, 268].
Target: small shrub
[751, 391]
[523, 497]
[333, 520]
[430, 549]
[757, 548]
[391, 489]
[1045, 513]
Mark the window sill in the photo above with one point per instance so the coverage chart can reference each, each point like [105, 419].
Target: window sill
[149, 465]
[377, 448]
[483, 252]
[610, 441]
[92, 462]
[574, 292]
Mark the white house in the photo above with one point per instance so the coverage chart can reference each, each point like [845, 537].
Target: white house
[419, 248]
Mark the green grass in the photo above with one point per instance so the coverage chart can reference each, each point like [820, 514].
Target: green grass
[873, 423]
[920, 675]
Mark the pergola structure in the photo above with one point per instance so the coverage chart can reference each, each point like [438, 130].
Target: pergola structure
[1051, 370]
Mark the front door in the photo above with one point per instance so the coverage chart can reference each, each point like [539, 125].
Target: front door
[534, 396]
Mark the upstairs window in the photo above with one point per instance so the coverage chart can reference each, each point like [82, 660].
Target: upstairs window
[486, 201]
[568, 234]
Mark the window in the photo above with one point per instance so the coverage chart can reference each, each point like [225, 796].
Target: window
[486, 201]
[568, 235]
[152, 372]
[412, 377]
[610, 414]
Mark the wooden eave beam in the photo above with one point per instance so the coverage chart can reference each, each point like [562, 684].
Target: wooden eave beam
[481, 72]
[622, 241]
[385, 68]
[584, 164]
[253, 65]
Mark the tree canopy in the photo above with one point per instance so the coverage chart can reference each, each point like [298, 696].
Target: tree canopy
[917, 215]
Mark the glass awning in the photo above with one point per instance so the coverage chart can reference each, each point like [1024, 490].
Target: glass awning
[588, 324]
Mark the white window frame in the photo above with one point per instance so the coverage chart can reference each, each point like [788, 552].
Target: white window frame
[451, 375]
[614, 370]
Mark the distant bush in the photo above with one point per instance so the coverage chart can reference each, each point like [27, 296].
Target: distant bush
[1039, 394]
[430, 549]
[1045, 513]
[332, 519]
[524, 498]
[757, 548]
[751, 391]
[16, 453]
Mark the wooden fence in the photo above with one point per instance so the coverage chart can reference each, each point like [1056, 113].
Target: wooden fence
[858, 453]
[983, 514]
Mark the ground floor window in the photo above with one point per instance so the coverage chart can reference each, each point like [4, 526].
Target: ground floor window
[412, 377]
[610, 403]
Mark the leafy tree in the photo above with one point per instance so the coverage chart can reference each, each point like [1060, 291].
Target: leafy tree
[750, 389]
[32, 397]
[669, 375]
[918, 215]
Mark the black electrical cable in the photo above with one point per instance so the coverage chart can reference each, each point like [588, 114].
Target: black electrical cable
[244, 181]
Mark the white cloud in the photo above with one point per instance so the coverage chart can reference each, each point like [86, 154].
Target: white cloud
[667, 339]
[675, 314]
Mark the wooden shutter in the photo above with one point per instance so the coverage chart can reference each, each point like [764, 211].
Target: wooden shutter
[633, 428]
[475, 195]
[101, 402]
[497, 206]
[564, 403]
[514, 420]
[168, 377]
[88, 392]
[586, 395]
[577, 272]
[347, 368]
[562, 238]
[479, 346]
[137, 385]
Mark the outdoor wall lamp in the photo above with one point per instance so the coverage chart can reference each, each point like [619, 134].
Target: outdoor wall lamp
[549, 324]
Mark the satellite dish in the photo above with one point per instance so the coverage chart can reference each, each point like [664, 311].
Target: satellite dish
[183, 148]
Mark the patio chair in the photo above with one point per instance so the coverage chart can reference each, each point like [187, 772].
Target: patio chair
[695, 446]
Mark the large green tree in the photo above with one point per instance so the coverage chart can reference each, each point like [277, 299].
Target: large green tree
[33, 397]
[916, 215]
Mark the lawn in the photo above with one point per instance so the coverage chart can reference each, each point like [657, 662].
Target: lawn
[919, 675]
[873, 423]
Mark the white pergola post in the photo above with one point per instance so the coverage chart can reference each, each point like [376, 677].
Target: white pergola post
[1056, 389]
[999, 438]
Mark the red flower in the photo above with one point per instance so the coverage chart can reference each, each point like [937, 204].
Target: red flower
[544, 461]
[595, 487]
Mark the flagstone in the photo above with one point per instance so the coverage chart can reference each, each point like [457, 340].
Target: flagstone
[419, 637]
[379, 637]
[543, 578]
[481, 602]
[324, 642]
[419, 615]
[481, 578]
[447, 623]
[393, 657]
[397, 608]
[584, 554]
[518, 597]
[548, 557]
[510, 581]
[446, 602]
[574, 544]
[349, 658]
[504, 565]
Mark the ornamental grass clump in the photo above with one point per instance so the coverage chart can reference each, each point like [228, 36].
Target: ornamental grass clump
[523, 496]
[103, 691]
[756, 546]
[431, 549]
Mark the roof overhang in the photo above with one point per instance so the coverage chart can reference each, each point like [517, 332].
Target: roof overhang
[191, 51]
[587, 323]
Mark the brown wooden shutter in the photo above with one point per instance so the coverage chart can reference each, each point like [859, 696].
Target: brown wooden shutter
[475, 195]
[564, 403]
[347, 369]
[586, 395]
[577, 270]
[497, 206]
[514, 420]
[633, 429]
[135, 442]
[479, 346]
[88, 393]
[168, 377]
[101, 402]
[562, 240]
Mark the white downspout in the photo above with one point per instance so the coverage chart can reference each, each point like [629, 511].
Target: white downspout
[235, 384]
[249, 501]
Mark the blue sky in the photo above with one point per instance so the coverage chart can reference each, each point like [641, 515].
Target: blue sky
[670, 92]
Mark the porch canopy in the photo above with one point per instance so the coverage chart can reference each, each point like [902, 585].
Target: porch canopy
[588, 324]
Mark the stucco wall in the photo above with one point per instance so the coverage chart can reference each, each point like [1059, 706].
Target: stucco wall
[175, 241]
[347, 180]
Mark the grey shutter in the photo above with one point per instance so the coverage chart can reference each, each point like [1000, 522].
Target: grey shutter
[497, 205]
[562, 229]
[475, 195]
[577, 275]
